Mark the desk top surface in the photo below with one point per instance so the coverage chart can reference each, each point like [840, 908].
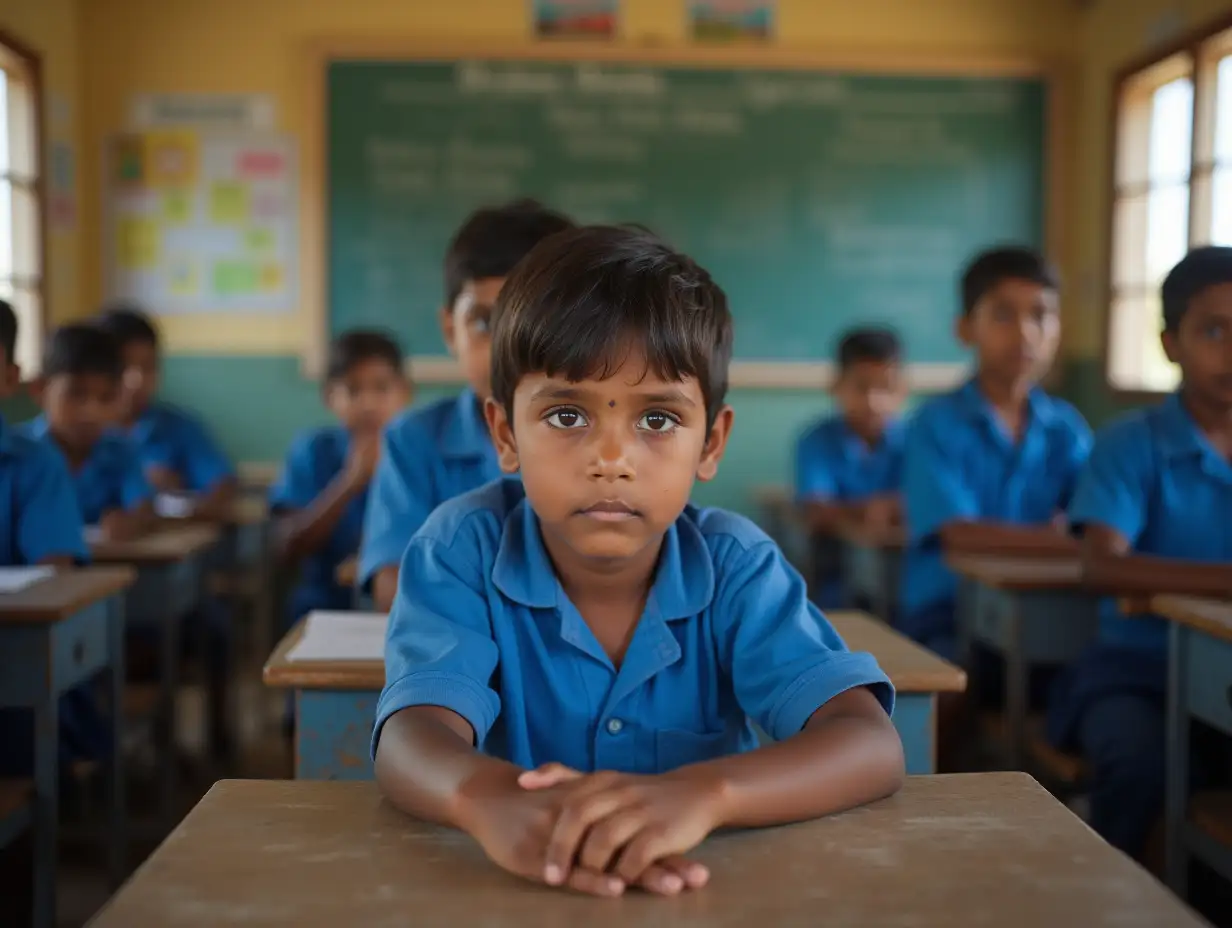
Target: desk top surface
[911, 668]
[167, 543]
[1019, 573]
[989, 849]
[63, 594]
[1212, 616]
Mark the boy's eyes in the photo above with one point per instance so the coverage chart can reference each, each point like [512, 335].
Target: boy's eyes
[565, 419]
[656, 421]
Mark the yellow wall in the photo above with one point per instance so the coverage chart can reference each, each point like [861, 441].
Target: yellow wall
[256, 46]
[50, 27]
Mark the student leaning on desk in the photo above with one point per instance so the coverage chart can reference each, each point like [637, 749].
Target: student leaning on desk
[606, 644]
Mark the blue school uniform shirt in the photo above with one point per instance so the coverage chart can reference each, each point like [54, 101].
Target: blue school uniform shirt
[39, 515]
[169, 437]
[428, 455]
[961, 464]
[482, 626]
[834, 463]
[1156, 479]
[315, 459]
[110, 478]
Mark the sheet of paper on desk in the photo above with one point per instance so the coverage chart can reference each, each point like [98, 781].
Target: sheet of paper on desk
[341, 636]
[172, 506]
[15, 579]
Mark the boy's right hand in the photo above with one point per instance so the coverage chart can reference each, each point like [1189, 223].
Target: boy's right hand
[362, 458]
[163, 479]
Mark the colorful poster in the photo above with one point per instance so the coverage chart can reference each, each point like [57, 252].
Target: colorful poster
[203, 222]
[731, 20]
[575, 19]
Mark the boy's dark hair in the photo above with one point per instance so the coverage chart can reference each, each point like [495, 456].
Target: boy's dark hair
[1201, 268]
[991, 267]
[493, 240]
[82, 348]
[874, 343]
[128, 324]
[8, 331]
[357, 345]
[582, 300]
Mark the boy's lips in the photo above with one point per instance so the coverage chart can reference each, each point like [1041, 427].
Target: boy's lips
[610, 510]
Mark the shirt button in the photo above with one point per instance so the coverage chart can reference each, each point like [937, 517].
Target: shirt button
[614, 726]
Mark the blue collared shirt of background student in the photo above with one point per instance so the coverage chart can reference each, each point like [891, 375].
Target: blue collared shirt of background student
[323, 491]
[854, 456]
[1154, 492]
[997, 453]
[433, 454]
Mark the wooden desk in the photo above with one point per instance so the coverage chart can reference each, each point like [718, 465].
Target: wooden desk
[992, 850]
[1030, 611]
[336, 701]
[55, 635]
[872, 565]
[1199, 687]
[171, 564]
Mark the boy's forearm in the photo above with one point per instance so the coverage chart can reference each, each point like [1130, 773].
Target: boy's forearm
[1001, 538]
[307, 531]
[826, 515]
[847, 755]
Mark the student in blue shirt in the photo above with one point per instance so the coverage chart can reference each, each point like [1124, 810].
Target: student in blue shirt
[324, 486]
[40, 523]
[989, 468]
[575, 660]
[432, 454]
[1153, 509]
[79, 392]
[849, 465]
[177, 452]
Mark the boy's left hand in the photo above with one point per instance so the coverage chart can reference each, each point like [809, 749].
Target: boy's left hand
[625, 823]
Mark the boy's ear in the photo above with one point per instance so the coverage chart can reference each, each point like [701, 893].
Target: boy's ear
[501, 430]
[963, 330]
[446, 318]
[1168, 340]
[716, 444]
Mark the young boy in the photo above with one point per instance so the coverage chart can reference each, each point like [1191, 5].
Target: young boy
[435, 453]
[989, 468]
[324, 486]
[79, 391]
[574, 660]
[1153, 508]
[176, 450]
[849, 466]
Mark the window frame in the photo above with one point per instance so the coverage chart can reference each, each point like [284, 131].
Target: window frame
[1201, 50]
[30, 63]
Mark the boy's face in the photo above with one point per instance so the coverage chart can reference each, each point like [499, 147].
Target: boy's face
[465, 326]
[140, 377]
[608, 465]
[870, 395]
[1202, 345]
[368, 395]
[1014, 329]
[79, 407]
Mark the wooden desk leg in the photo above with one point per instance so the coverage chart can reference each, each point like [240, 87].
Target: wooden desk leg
[168, 687]
[117, 826]
[333, 734]
[1176, 793]
[915, 719]
[1015, 683]
[46, 803]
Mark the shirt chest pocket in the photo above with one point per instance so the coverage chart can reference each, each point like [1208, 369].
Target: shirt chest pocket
[677, 747]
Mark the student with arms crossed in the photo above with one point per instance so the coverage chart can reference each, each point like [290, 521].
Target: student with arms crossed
[1154, 507]
[575, 659]
[433, 454]
[849, 465]
[323, 492]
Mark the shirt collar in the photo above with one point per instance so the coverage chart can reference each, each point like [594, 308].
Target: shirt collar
[855, 448]
[1180, 435]
[1039, 405]
[38, 426]
[684, 578]
[466, 433]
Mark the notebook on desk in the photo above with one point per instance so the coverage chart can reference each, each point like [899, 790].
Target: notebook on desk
[16, 579]
[341, 636]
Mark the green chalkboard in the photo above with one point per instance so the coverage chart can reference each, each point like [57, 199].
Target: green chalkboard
[817, 200]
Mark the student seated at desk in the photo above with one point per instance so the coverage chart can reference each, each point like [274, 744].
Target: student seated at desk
[432, 454]
[555, 637]
[40, 523]
[321, 495]
[989, 468]
[849, 465]
[1153, 507]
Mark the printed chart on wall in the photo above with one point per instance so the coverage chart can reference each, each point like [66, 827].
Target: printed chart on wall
[202, 222]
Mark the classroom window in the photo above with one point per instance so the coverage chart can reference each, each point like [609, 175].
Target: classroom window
[21, 217]
[1172, 190]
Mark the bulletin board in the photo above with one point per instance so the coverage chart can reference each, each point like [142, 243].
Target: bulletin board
[202, 222]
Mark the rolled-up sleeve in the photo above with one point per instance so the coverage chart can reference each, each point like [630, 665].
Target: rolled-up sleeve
[786, 661]
[440, 650]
